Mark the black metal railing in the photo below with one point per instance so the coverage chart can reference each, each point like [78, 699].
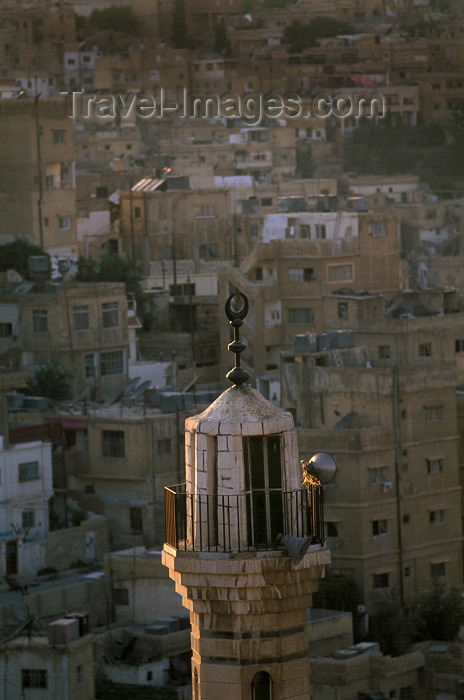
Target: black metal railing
[241, 522]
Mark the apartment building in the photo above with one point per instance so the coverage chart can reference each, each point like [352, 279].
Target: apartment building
[82, 327]
[180, 223]
[393, 515]
[120, 459]
[37, 174]
[441, 94]
[307, 255]
[25, 491]
[56, 666]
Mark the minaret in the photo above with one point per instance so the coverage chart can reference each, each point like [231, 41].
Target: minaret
[244, 543]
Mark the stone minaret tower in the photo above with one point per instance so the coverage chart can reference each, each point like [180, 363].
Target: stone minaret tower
[247, 594]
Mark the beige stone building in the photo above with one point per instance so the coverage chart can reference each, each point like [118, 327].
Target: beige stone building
[57, 667]
[37, 174]
[82, 327]
[386, 408]
[118, 461]
[312, 254]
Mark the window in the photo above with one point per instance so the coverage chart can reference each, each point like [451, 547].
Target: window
[266, 202]
[406, 518]
[121, 596]
[263, 485]
[89, 365]
[381, 580]
[437, 517]
[177, 290]
[81, 317]
[339, 272]
[259, 274]
[425, 349]
[320, 231]
[377, 228]
[300, 274]
[110, 314]
[305, 231]
[330, 529]
[34, 678]
[438, 570]
[58, 136]
[254, 231]
[379, 527]
[261, 686]
[27, 471]
[28, 518]
[111, 362]
[208, 250]
[407, 571]
[40, 321]
[435, 465]
[137, 213]
[342, 309]
[459, 346]
[79, 674]
[434, 413]
[64, 223]
[378, 475]
[6, 330]
[302, 316]
[164, 446]
[113, 443]
[136, 520]
[384, 352]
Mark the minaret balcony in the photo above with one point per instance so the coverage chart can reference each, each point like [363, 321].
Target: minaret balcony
[241, 522]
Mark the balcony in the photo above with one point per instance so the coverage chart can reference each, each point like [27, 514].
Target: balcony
[242, 522]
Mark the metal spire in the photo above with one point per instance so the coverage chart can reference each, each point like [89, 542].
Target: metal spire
[237, 375]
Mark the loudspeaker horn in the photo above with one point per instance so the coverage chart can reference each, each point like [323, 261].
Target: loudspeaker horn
[320, 469]
[295, 546]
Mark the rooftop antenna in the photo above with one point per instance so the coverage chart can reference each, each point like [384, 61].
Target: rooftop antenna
[237, 375]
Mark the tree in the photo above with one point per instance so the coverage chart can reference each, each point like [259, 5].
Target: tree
[179, 34]
[302, 36]
[14, 256]
[337, 592]
[49, 380]
[304, 162]
[439, 614]
[110, 268]
[119, 19]
[390, 625]
[221, 42]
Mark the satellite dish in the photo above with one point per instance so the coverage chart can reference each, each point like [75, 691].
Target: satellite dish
[347, 421]
[83, 395]
[130, 386]
[139, 390]
[125, 390]
[361, 608]
[116, 397]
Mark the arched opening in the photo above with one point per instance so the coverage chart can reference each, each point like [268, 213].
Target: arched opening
[261, 686]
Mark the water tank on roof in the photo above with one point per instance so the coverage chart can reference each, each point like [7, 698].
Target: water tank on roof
[305, 342]
[323, 342]
[38, 267]
[355, 204]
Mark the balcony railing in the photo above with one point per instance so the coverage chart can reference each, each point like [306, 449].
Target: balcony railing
[241, 522]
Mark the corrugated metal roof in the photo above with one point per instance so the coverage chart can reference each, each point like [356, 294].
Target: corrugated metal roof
[148, 184]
